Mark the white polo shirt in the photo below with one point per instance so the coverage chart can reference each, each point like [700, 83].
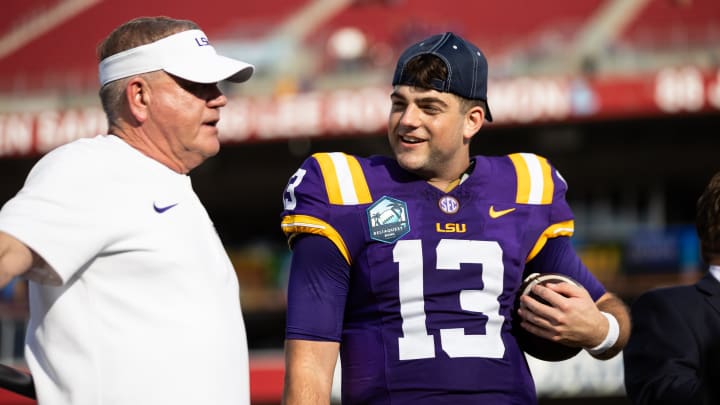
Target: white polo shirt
[148, 311]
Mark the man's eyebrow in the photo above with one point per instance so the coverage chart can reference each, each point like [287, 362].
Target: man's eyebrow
[422, 100]
[431, 100]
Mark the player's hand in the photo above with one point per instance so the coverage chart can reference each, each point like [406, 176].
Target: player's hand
[572, 318]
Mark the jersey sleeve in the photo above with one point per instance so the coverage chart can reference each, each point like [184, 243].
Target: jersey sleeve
[321, 224]
[317, 290]
[539, 183]
[559, 256]
[320, 197]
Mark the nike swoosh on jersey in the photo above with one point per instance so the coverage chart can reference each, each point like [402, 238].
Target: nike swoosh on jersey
[497, 214]
[160, 210]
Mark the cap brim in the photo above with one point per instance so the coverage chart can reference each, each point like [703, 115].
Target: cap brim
[488, 115]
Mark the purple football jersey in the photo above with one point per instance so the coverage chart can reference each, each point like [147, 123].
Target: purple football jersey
[433, 275]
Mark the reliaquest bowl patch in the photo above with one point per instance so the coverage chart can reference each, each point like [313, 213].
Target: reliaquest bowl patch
[388, 219]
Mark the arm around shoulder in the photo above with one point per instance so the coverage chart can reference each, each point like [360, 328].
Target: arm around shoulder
[309, 370]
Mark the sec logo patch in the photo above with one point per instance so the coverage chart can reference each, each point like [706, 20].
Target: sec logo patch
[448, 204]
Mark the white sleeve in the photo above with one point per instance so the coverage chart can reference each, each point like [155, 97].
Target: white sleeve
[58, 212]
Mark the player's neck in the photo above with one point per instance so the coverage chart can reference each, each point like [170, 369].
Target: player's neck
[447, 185]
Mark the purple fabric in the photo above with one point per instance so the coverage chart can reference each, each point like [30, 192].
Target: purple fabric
[317, 289]
[424, 312]
[558, 256]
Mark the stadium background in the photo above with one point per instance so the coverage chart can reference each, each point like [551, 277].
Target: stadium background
[623, 96]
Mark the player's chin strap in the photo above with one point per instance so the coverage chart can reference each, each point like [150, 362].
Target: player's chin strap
[14, 380]
[611, 337]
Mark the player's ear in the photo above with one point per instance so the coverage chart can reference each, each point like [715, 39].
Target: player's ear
[474, 118]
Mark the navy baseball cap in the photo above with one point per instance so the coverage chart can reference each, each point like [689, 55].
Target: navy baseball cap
[466, 65]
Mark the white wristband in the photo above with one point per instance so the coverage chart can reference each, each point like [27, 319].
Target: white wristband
[610, 338]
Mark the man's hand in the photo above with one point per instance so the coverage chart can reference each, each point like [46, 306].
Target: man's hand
[572, 318]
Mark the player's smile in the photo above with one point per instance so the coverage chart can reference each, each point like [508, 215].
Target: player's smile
[411, 140]
[428, 134]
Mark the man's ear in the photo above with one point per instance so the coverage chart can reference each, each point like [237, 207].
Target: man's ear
[474, 119]
[137, 93]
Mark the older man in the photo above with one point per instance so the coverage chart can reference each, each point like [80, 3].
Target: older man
[133, 299]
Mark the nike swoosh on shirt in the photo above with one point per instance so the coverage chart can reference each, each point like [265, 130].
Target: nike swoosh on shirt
[497, 214]
[160, 210]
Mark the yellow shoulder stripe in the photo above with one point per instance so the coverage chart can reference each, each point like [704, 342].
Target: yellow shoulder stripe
[534, 179]
[566, 228]
[296, 224]
[344, 179]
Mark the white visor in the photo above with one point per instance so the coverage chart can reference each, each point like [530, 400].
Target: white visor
[187, 54]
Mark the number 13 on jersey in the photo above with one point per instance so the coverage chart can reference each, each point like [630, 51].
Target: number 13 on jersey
[416, 342]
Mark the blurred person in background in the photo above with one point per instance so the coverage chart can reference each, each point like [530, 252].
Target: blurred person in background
[673, 355]
[410, 267]
[133, 299]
